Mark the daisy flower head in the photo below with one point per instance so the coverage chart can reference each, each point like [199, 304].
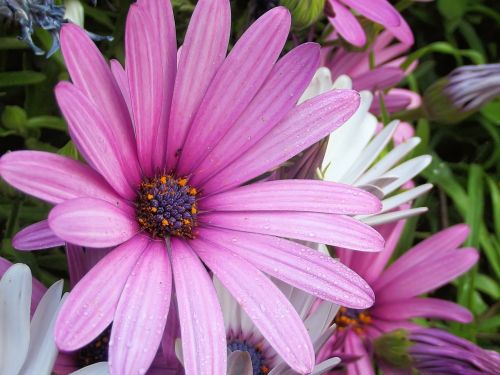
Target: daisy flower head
[354, 155]
[26, 327]
[261, 359]
[170, 146]
[425, 267]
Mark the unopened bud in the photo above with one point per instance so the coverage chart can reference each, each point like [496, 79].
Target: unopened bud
[304, 12]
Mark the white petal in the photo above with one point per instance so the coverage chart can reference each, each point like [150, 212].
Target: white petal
[42, 351]
[321, 320]
[394, 216]
[343, 82]
[388, 161]
[406, 171]
[325, 366]
[229, 306]
[239, 363]
[370, 153]
[320, 83]
[15, 302]
[406, 196]
[100, 368]
[347, 142]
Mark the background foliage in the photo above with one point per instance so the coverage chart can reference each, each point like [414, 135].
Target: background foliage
[465, 170]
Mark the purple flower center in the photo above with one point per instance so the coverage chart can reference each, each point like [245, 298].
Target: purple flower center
[256, 355]
[166, 206]
[354, 319]
[96, 351]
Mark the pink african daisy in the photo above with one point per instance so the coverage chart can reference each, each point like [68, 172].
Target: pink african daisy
[382, 77]
[169, 146]
[347, 25]
[422, 269]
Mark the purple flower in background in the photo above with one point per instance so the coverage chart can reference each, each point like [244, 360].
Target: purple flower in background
[45, 14]
[435, 351]
[465, 90]
[422, 269]
[169, 146]
[347, 25]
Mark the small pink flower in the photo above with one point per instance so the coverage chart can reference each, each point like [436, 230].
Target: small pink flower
[422, 269]
[170, 147]
[380, 11]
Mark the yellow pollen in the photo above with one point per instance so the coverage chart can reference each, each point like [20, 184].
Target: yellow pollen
[186, 221]
[182, 182]
[193, 191]
[150, 196]
[194, 210]
[164, 222]
[163, 179]
[154, 209]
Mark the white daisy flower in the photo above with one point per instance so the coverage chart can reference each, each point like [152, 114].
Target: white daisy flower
[356, 154]
[26, 348]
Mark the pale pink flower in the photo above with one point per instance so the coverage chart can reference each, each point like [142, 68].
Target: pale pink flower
[170, 148]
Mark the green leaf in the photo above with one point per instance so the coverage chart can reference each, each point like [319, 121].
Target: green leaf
[487, 285]
[14, 117]
[492, 111]
[9, 42]
[495, 203]
[26, 77]
[488, 325]
[47, 122]
[452, 9]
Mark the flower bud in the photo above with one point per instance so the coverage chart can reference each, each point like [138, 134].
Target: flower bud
[392, 348]
[304, 12]
[464, 91]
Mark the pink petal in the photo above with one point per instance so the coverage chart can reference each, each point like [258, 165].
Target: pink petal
[426, 275]
[91, 74]
[92, 222]
[235, 84]
[379, 11]
[202, 327]
[370, 266]
[35, 237]
[273, 315]
[141, 313]
[303, 126]
[443, 241]
[94, 140]
[354, 346]
[143, 61]
[335, 230]
[90, 306]
[292, 74]
[81, 260]
[203, 52]
[346, 24]
[170, 335]
[164, 39]
[402, 32]
[294, 195]
[297, 265]
[54, 178]
[121, 81]
[421, 308]
[378, 79]
[393, 102]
